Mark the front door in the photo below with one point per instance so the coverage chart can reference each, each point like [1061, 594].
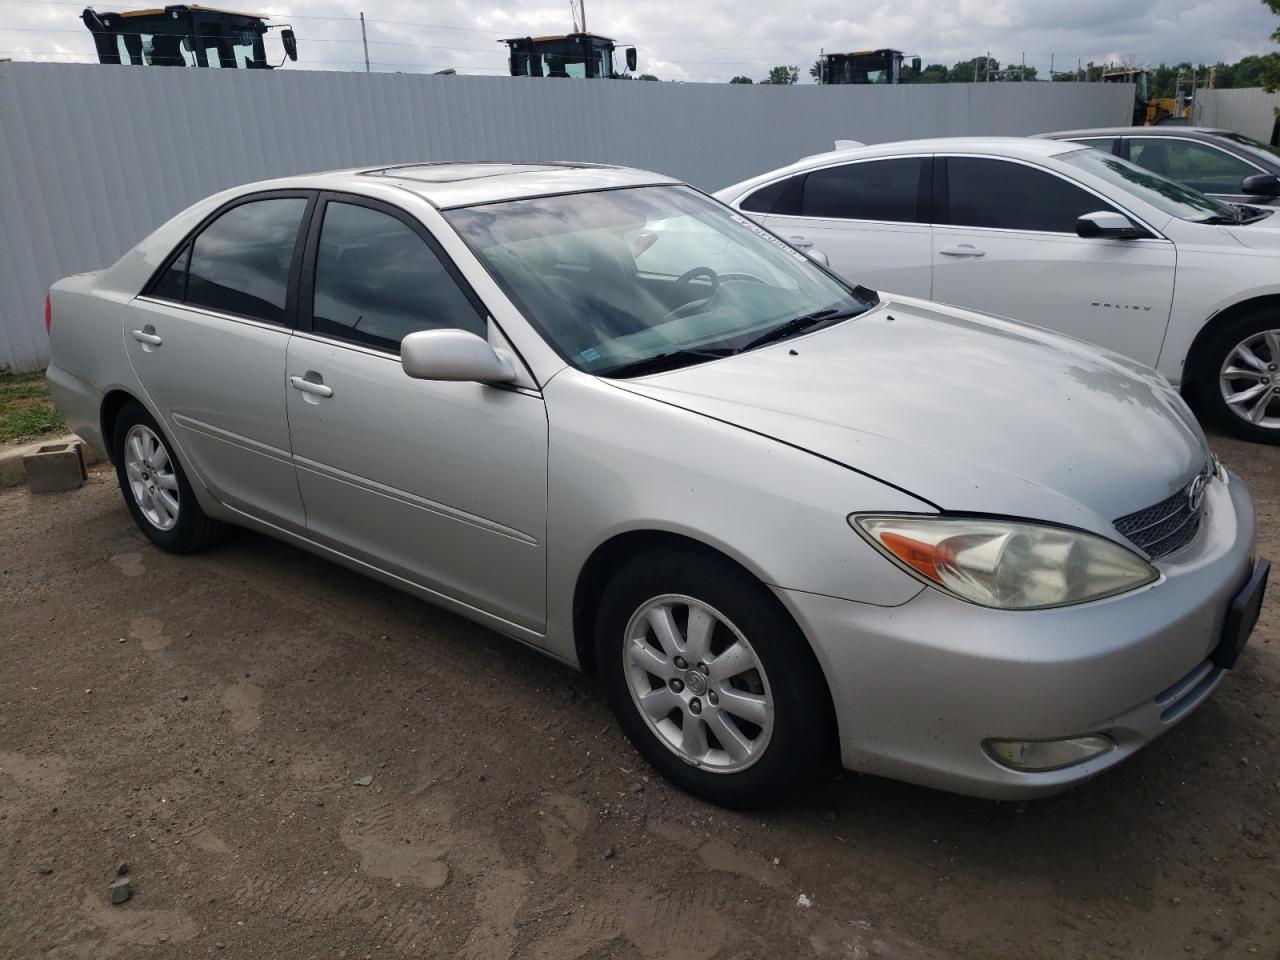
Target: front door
[208, 340]
[444, 484]
[1010, 249]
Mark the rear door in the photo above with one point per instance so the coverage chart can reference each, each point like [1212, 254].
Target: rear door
[870, 218]
[1007, 245]
[207, 340]
[444, 484]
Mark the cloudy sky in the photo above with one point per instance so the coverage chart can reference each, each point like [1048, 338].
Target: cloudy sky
[712, 40]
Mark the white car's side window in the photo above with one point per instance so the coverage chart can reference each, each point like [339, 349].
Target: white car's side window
[984, 192]
[881, 190]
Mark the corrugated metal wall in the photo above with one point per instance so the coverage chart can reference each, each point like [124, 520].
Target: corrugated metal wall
[94, 157]
[1250, 110]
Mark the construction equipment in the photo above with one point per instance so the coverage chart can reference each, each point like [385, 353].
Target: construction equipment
[863, 66]
[186, 35]
[583, 55]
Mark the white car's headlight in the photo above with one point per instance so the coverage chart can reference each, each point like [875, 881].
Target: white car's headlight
[1005, 563]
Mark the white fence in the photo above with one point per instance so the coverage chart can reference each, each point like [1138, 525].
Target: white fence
[94, 157]
[1249, 110]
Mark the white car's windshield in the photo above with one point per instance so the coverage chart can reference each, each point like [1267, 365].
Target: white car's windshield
[1163, 194]
[623, 282]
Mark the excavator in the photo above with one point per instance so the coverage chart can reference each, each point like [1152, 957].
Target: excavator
[863, 66]
[186, 35]
[578, 54]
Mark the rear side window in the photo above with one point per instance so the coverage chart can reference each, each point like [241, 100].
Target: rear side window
[240, 263]
[377, 280]
[886, 190]
[1012, 196]
[764, 199]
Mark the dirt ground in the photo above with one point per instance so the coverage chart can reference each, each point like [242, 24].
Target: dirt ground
[207, 720]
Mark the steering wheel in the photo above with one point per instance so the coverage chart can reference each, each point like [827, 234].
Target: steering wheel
[683, 281]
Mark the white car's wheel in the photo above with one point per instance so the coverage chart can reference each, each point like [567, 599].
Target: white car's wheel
[710, 678]
[1238, 376]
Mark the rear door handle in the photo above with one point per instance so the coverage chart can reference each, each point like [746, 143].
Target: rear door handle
[148, 336]
[311, 386]
[800, 243]
[963, 250]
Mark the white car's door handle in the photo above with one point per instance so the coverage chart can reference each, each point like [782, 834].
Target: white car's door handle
[311, 387]
[800, 243]
[963, 250]
[147, 337]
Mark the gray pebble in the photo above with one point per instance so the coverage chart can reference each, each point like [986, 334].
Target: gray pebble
[121, 890]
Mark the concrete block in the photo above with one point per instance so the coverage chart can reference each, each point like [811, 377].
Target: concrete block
[13, 471]
[53, 467]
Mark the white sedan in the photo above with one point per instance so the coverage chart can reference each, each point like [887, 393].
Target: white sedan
[1059, 235]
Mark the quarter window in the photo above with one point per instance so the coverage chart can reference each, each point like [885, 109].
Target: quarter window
[1012, 196]
[172, 284]
[885, 190]
[1197, 165]
[376, 280]
[240, 263]
[1105, 144]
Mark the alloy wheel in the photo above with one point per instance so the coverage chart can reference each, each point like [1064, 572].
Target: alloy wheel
[698, 683]
[1250, 379]
[152, 480]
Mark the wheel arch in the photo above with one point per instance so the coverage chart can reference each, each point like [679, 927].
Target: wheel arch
[112, 403]
[1216, 322]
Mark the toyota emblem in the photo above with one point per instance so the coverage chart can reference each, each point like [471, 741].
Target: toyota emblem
[1195, 493]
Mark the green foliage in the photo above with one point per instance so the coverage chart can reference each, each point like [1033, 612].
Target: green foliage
[783, 75]
[741, 79]
[1269, 75]
[646, 76]
[26, 410]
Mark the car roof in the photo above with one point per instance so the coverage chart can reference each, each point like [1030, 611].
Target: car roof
[1165, 131]
[461, 184]
[1004, 146]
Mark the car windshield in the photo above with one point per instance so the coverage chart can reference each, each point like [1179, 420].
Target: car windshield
[1263, 150]
[628, 281]
[1163, 194]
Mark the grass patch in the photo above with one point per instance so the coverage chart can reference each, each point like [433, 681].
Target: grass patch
[26, 409]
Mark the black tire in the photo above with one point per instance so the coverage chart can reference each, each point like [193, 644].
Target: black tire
[193, 529]
[1211, 358]
[803, 733]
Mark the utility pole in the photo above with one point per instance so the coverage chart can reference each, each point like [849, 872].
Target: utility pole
[364, 39]
[582, 5]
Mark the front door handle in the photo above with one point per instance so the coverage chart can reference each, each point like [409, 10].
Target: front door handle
[963, 250]
[313, 387]
[800, 243]
[148, 336]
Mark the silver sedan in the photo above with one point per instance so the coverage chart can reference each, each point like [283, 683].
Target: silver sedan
[784, 518]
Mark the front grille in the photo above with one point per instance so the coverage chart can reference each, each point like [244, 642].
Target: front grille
[1164, 527]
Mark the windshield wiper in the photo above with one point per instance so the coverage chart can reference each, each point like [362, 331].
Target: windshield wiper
[670, 360]
[800, 324]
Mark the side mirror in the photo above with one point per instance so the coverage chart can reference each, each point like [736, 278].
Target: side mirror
[290, 43]
[1261, 185]
[453, 355]
[631, 58]
[1108, 224]
[817, 256]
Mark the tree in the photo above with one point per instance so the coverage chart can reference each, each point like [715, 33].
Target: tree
[815, 71]
[1270, 76]
[646, 76]
[741, 79]
[966, 71]
[783, 75]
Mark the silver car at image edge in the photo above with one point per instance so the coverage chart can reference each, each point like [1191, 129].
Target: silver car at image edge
[783, 517]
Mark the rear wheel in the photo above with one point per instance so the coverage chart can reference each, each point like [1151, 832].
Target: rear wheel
[1238, 376]
[155, 489]
[710, 678]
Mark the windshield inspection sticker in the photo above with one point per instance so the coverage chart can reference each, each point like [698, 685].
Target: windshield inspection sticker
[589, 355]
[768, 236]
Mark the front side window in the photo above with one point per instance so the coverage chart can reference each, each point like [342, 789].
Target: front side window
[240, 263]
[376, 280]
[1013, 196]
[620, 278]
[885, 190]
[1198, 165]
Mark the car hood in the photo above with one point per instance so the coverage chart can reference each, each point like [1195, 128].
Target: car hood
[967, 412]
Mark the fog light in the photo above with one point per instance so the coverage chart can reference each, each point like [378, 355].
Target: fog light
[1041, 755]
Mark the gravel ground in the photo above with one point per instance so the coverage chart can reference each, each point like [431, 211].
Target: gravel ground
[296, 762]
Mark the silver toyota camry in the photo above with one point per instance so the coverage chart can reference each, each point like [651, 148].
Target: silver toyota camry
[783, 518]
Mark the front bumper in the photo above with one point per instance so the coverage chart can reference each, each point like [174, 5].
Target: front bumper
[919, 687]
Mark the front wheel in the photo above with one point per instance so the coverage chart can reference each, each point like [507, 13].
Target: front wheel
[155, 488]
[710, 678]
[1238, 376]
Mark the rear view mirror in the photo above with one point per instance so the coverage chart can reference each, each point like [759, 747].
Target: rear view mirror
[1261, 185]
[1107, 223]
[631, 58]
[290, 43]
[453, 355]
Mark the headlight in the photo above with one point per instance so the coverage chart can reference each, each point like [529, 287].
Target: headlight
[1004, 563]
